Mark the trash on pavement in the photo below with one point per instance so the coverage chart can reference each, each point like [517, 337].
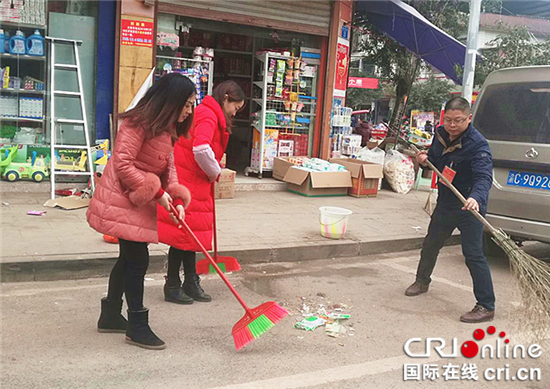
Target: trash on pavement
[68, 203]
[310, 323]
[36, 213]
[335, 329]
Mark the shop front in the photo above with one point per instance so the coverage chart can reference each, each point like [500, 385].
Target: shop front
[273, 50]
[26, 77]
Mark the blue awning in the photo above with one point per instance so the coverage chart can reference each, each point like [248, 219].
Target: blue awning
[409, 28]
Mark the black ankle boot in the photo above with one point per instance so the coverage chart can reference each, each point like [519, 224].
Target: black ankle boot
[139, 333]
[174, 293]
[192, 288]
[111, 319]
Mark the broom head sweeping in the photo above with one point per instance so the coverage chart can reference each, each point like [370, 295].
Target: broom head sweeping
[226, 264]
[533, 280]
[256, 322]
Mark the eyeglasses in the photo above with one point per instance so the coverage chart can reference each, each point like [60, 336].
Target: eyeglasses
[455, 121]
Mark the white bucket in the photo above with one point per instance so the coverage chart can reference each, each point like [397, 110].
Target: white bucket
[334, 221]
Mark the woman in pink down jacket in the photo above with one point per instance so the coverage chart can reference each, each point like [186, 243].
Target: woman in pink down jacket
[197, 161]
[141, 174]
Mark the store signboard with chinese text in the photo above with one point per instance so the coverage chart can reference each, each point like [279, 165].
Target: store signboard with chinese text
[136, 33]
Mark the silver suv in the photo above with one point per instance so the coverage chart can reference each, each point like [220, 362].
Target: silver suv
[513, 113]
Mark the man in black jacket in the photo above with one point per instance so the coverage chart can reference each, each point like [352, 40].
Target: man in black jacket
[464, 157]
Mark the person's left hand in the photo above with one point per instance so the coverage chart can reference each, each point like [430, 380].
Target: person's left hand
[181, 213]
[471, 204]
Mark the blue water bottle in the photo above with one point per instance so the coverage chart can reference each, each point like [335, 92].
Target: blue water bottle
[2, 42]
[35, 44]
[18, 43]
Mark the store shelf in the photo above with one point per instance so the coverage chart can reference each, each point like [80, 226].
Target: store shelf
[277, 56]
[12, 119]
[289, 127]
[21, 25]
[22, 57]
[226, 51]
[181, 59]
[24, 91]
[261, 101]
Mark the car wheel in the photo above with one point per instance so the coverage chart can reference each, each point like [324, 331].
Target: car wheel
[38, 177]
[12, 176]
[490, 248]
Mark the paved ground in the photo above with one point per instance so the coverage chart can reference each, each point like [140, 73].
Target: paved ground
[49, 338]
[255, 226]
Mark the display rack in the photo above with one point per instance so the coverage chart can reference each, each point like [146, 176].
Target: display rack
[22, 91]
[201, 72]
[286, 104]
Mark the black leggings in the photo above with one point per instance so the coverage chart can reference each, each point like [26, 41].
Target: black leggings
[128, 274]
[175, 259]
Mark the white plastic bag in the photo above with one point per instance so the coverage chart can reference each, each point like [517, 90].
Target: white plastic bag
[375, 155]
[399, 171]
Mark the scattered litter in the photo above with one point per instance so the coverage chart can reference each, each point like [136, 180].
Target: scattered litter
[335, 329]
[36, 213]
[329, 315]
[6, 204]
[417, 229]
[68, 203]
[342, 344]
[264, 272]
[300, 337]
[310, 323]
[338, 316]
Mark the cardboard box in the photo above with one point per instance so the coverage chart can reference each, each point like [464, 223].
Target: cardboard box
[317, 184]
[281, 166]
[225, 188]
[365, 176]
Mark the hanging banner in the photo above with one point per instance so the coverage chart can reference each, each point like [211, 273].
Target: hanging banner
[136, 33]
[342, 65]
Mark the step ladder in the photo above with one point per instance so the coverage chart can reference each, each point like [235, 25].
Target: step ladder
[85, 167]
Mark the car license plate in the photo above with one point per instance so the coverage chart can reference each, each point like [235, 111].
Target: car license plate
[529, 180]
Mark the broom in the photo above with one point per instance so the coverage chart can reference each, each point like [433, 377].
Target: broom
[532, 274]
[256, 321]
[226, 264]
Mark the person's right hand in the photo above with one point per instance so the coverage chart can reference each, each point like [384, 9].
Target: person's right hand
[165, 201]
[422, 157]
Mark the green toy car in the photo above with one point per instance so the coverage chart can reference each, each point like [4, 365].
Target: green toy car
[35, 170]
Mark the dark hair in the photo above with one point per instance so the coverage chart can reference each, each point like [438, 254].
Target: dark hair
[458, 104]
[158, 111]
[233, 92]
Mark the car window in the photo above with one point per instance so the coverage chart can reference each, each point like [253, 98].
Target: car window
[515, 112]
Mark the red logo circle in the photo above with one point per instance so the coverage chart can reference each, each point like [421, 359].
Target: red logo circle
[469, 349]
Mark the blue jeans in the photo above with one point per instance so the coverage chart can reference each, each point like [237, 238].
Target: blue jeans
[444, 222]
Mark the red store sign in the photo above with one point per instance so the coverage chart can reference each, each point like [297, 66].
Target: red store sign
[361, 82]
[136, 33]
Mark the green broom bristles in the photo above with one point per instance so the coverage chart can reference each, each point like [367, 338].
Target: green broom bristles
[246, 330]
[260, 326]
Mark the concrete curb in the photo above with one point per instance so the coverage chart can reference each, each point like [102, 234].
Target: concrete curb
[65, 267]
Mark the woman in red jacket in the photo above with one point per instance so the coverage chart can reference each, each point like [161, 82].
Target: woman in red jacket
[140, 174]
[197, 161]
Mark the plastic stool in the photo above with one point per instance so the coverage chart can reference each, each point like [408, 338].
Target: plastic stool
[420, 181]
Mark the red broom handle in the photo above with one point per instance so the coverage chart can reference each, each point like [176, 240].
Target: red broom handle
[214, 213]
[212, 262]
